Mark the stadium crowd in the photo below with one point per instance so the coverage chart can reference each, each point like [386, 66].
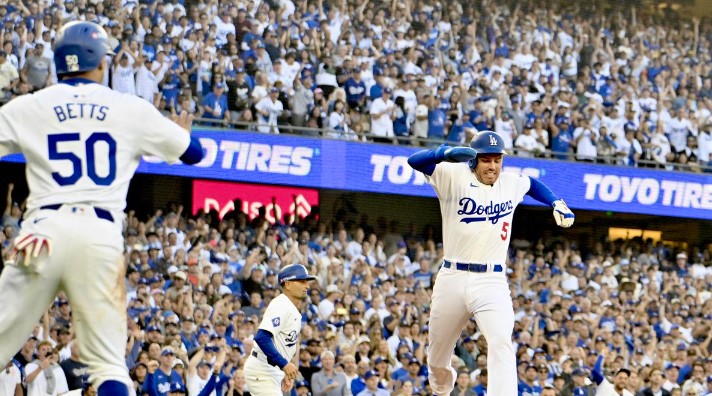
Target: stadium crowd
[616, 84]
[612, 86]
[197, 287]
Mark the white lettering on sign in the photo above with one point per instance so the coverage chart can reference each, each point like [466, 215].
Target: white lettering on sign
[395, 170]
[300, 206]
[647, 191]
[256, 157]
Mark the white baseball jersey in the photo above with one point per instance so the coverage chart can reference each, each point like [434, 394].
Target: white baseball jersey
[195, 385]
[38, 387]
[83, 143]
[9, 379]
[274, 109]
[477, 218]
[284, 321]
[123, 79]
[677, 130]
[605, 388]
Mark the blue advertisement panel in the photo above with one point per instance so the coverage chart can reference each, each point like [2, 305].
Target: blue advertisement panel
[334, 164]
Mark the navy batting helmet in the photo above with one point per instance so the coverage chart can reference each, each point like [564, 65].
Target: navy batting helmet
[486, 142]
[80, 47]
[294, 272]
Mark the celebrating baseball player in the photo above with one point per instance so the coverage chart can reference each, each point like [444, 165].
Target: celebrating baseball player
[269, 370]
[477, 203]
[82, 142]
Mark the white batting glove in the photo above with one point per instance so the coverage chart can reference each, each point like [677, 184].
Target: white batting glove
[562, 214]
[30, 245]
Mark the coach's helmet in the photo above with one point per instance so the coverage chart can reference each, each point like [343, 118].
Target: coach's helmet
[294, 272]
[486, 142]
[80, 47]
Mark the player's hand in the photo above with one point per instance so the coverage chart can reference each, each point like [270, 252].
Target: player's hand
[562, 214]
[287, 384]
[30, 245]
[183, 119]
[290, 371]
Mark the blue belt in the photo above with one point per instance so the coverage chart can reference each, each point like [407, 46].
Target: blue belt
[472, 267]
[100, 213]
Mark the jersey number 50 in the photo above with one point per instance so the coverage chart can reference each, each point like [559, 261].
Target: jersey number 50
[55, 154]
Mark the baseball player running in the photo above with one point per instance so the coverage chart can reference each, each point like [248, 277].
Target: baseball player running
[269, 370]
[477, 203]
[82, 142]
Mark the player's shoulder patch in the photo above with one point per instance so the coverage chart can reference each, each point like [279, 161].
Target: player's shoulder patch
[275, 321]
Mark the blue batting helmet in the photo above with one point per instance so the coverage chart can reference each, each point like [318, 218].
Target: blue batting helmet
[80, 47]
[486, 142]
[294, 272]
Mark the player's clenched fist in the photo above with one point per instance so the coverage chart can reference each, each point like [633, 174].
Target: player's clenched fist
[562, 214]
[290, 371]
[30, 245]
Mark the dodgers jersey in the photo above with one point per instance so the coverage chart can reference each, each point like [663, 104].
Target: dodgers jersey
[477, 218]
[284, 321]
[83, 142]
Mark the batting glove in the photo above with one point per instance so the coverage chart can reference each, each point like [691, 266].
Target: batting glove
[562, 214]
[30, 245]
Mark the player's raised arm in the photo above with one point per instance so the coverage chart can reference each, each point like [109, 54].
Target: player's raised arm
[425, 160]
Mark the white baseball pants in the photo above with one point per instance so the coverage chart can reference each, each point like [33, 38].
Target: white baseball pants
[457, 296]
[262, 379]
[87, 263]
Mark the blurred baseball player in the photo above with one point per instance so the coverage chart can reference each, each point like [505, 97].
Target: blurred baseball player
[477, 203]
[82, 142]
[269, 370]
[620, 380]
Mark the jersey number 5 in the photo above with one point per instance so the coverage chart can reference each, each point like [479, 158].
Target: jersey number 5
[53, 142]
[505, 231]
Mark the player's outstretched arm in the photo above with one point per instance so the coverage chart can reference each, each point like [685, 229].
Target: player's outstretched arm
[562, 214]
[425, 160]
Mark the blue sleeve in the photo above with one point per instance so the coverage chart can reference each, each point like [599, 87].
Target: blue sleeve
[133, 354]
[149, 385]
[263, 338]
[219, 385]
[194, 153]
[541, 192]
[209, 387]
[597, 373]
[425, 160]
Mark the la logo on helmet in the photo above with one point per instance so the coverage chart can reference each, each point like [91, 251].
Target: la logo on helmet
[493, 141]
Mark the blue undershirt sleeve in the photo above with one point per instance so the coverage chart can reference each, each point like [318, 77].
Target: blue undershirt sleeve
[210, 386]
[597, 372]
[425, 160]
[541, 192]
[194, 153]
[263, 338]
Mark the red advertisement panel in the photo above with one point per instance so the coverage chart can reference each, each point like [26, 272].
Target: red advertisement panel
[220, 196]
